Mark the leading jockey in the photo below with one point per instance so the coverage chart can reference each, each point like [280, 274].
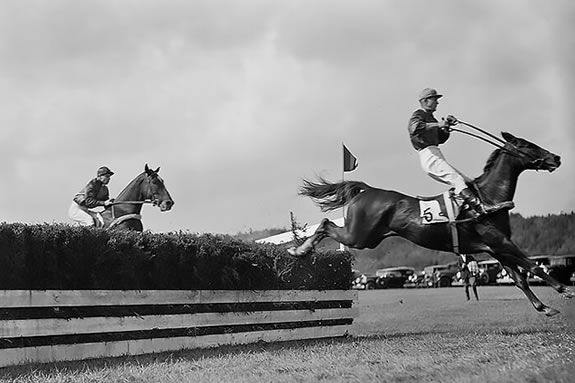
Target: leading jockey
[93, 195]
[426, 135]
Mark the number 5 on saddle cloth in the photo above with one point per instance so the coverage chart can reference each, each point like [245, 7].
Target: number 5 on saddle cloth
[445, 208]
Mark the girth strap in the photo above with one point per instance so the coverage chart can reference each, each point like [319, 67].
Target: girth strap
[448, 199]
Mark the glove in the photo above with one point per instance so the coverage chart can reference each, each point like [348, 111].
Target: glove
[444, 125]
[108, 202]
[451, 121]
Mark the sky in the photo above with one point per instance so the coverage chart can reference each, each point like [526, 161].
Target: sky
[237, 101]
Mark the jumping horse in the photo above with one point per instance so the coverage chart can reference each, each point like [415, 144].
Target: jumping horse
[375, 214]
[147, 187]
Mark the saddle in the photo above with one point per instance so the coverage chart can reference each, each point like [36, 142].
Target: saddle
[449, 208]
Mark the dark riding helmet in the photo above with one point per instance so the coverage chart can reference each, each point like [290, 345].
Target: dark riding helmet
[429, 93]
[104, 171]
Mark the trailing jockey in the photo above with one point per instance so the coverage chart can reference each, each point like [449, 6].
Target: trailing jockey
[93, 195]
[426, 134]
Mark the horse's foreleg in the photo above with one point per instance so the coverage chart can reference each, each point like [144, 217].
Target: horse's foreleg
[514, 256]
[521, 282]
[523, 261]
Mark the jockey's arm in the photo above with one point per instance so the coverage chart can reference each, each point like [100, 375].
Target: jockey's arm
[425, 130]
[417, 124]
[92, 199]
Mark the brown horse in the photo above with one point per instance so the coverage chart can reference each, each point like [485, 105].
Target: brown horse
[148, 187]
[375, 214]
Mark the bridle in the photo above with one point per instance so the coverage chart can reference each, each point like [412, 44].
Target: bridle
[505, 146]
[154, 200]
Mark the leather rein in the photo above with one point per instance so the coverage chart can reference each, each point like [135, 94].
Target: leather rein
[505, 146]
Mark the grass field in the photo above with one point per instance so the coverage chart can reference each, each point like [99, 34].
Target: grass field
[402, 335]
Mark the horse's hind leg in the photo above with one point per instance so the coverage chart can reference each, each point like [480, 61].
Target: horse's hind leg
[521, 282]
[311, 242]
[348, 235]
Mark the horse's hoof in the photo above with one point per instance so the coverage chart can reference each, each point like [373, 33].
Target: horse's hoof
[550, 311]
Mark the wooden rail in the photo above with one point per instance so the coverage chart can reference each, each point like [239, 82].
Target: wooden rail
[63, 325]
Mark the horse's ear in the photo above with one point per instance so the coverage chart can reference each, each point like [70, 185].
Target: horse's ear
[157, 170]
[146, 168]
[508, 136]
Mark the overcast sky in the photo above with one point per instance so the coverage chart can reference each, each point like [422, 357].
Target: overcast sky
[238, 100]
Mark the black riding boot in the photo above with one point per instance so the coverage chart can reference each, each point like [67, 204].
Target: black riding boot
[480, 208]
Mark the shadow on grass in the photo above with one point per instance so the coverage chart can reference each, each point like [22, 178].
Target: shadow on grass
[93, 365]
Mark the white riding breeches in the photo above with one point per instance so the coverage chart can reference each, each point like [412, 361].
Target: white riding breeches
[82, 215]
[437, 167]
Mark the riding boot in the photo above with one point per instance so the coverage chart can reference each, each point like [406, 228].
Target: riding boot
[480, 208]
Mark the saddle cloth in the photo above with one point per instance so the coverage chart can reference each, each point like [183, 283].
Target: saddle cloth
[441, 209]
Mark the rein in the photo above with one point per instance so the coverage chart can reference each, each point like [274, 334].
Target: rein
[132, 202]
[515, 150]
[127, 203]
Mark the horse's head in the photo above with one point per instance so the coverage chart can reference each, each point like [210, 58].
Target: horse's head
[156, 190]
[533, 156]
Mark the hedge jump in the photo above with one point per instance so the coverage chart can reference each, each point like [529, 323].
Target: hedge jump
[64, 325]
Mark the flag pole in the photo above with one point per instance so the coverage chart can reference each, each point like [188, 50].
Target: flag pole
[341, 245]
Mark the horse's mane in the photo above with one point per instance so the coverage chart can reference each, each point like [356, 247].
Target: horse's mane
[131, 184]
[489, 164]
[491, 160]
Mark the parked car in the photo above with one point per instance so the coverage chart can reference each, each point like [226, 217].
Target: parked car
[417, 279]
[440, 275]
[488, 271]
[503, 278]
[393, 277]
[542, 261]
[562, 267]
[362, 281]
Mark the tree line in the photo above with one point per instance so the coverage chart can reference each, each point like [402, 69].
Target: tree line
[553, 234]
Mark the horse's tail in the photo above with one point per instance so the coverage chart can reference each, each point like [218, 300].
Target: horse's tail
[330, 196]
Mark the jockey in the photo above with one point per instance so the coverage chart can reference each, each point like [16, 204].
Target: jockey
[94, 194]
[426, 135]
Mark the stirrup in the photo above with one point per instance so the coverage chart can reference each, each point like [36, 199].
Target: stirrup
[483, 210]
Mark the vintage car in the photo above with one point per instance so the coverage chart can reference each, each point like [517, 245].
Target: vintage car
[440, 275]
[560, 267]
[362, 281]
[488, 271]
[417, 279]
[393, 277]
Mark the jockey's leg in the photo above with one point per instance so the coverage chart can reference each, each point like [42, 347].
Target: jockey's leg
[79, 215]
[438, 168]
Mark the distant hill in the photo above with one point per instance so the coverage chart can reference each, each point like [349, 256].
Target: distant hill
[550, 235]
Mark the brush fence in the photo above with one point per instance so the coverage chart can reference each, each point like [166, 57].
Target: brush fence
[54, 325]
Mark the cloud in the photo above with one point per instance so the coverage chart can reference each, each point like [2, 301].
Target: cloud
[238, 100]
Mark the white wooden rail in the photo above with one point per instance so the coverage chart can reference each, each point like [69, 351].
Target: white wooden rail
[62, 325]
